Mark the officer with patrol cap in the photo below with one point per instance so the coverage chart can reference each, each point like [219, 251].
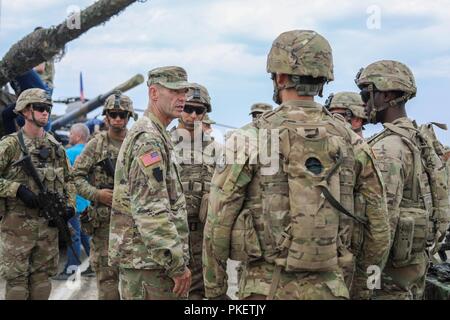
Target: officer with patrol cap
[257, 109]
[351, 107]
[28, 244]
[94, 177]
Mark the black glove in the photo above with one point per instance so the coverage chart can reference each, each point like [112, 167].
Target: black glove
[28, 197]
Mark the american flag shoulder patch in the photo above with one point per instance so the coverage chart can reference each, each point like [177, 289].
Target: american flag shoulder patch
[150, 158]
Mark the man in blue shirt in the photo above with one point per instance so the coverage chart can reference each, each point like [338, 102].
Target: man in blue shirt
[79, 134]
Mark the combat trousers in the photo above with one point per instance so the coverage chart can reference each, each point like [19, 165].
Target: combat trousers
[151, 284]
[28, 255]
[256, 279]
[107, 277]
[197, 290]
[405, 283]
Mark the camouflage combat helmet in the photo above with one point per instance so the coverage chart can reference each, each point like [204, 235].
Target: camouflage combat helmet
[119, 102]
[33, 95]
[388, 75]
[349, 101]
[260, 107]
[302, 53]
[198, 94]
[207, 120]
[385, 75]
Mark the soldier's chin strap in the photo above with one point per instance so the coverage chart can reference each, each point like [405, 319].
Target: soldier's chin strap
[35, 121]
[303, 89]
[393, 103]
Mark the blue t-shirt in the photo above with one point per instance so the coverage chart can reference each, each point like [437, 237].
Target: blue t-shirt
[72, 154]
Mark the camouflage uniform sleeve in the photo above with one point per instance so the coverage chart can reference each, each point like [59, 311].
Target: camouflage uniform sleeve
[69, 188]
[9, 150]
[227, 196]
[83, 164]
[150, 205]
[392, 155]
[376, 237]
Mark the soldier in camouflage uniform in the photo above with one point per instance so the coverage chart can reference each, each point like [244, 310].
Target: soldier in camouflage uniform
[417, 200]
[195, 152]
[351, 107]
[295, 222]
[28, 245]
[257, 109]
[149, 232]
[94, 179]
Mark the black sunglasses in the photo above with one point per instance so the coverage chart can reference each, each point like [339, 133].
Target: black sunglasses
[197, 110]
[347, 114]
[365, 94]
[115, 114]
[41, 107]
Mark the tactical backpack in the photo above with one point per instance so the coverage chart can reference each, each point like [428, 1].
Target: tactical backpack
[308, 205]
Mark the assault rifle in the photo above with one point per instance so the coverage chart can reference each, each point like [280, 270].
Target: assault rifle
[52, 205]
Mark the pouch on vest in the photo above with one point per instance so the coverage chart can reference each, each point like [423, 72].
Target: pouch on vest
[403, 242]
[245, 244]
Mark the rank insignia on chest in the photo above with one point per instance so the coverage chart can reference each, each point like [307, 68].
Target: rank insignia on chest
[150, 158]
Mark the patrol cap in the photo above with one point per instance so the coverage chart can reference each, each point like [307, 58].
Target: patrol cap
[34, 95]
[198, 94]
[260, 107]
[207, 120]
[170, 77]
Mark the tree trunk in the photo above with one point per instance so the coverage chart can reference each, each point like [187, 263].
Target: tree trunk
[43, 44]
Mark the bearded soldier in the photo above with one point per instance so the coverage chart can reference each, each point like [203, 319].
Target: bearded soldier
[94, 178]
[292, 220]
[149, 231]
[351, 107]
[196, 154]
[28, 238]
[414, 175]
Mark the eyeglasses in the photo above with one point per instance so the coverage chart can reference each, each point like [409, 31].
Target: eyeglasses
[198, 110]
[115, 114]
[41, 107]
[256, 115]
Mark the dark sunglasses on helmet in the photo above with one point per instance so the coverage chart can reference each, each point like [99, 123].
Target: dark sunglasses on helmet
[115, 114]
[41, 107]
[197, 110]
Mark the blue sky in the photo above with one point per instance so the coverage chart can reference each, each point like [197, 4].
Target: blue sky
[223, 44]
